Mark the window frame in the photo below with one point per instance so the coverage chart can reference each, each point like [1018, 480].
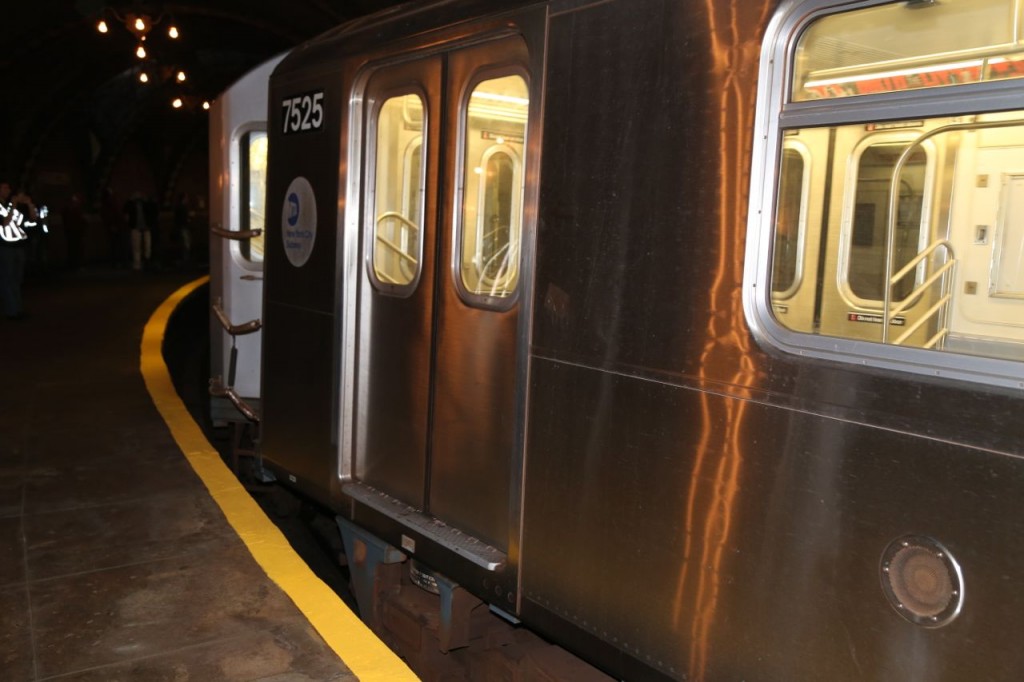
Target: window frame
[800, 149]
[238, 204]
[470, 298]
[370, 195]
[517, 198]
[776, 111]
[846, 226]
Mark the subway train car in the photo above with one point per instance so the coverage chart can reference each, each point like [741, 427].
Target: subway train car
[687, 333]
[238, 163]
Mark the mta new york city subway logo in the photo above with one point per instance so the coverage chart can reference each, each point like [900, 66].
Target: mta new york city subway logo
[298, 221]
[293, 209]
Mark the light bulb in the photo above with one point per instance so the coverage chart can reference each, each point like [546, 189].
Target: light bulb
[172, 32]
[181, 76]
[143, 77]
[176, 103]
[140, 51]
[102, 26]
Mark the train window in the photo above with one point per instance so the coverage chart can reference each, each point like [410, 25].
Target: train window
[399, 176]
[867, 239]
[886, 211]
[492, 201]
[790, 223]
[907, 46]
[253, 200]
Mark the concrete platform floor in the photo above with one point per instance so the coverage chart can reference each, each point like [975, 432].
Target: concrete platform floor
[115, 564]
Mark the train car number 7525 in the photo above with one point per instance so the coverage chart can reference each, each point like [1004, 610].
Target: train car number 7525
[303, 112]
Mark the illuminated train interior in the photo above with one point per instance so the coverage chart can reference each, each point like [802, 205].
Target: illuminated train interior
[908, 232]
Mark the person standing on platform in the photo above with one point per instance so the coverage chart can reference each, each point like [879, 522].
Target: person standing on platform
[152, 209]
[13, 248]
[37, 230]
[183, 215]
[138, 214]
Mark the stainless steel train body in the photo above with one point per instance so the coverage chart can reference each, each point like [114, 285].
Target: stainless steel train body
[238, 150]
[687, 332]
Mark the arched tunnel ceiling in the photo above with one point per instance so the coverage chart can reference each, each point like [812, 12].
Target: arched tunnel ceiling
[60, 73]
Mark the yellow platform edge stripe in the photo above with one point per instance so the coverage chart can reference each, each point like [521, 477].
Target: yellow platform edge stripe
[364, 654]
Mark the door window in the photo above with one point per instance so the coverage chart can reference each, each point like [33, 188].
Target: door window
[398, 192]
[868, 241]
[790, 223]
[253, 200]
[492, 205]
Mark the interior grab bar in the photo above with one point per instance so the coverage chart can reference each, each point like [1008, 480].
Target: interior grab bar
[397, 249]
[924, 318]
[920, 290]
[237, 235]
[235, 329]
[399, 217]
[219, 390]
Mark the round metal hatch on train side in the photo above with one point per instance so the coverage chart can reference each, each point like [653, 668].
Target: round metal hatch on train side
[922, 581]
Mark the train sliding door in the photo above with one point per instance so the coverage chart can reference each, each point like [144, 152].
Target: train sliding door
[438, 308]
[397, 300]
[238, 164]
[854, 292]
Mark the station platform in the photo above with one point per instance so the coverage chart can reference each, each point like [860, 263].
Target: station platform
[128, 550]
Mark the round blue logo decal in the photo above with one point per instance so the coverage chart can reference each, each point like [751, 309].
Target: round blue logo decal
[298, 221]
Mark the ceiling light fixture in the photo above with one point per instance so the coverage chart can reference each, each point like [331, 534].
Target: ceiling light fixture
[141, 20]
[138, 24]
[190, 103]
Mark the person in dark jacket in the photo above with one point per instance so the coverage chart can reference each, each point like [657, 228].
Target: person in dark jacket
[183, 216]
[141, 219]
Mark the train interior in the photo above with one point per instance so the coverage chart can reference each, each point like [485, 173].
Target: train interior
[908, 232]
